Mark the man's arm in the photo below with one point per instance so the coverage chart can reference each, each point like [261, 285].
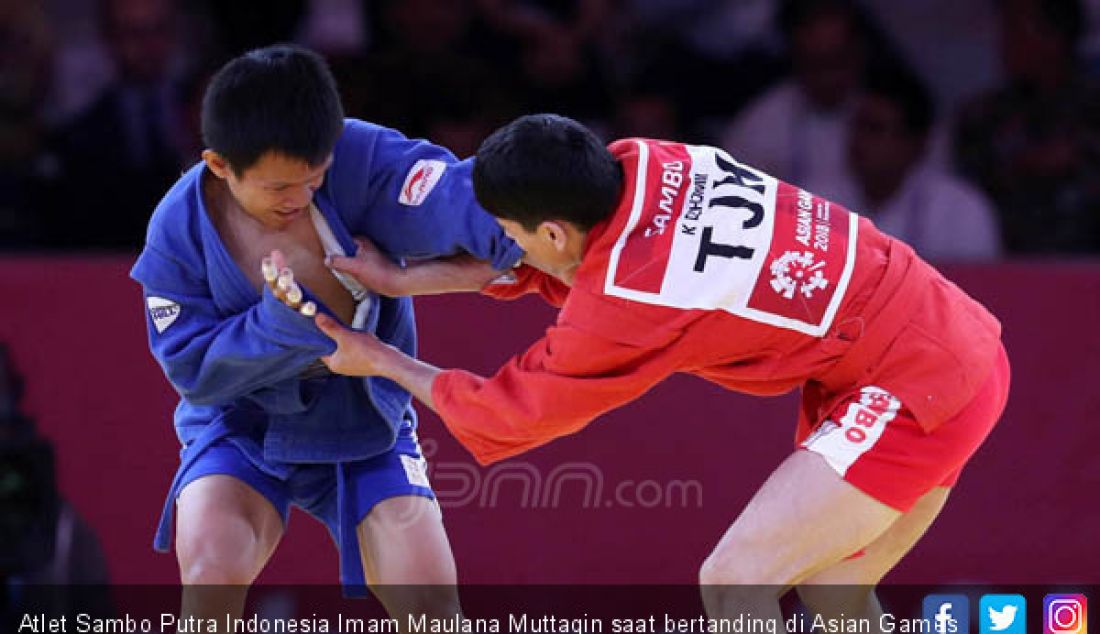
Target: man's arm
[527, 279]
[362, 354]
[455, 274]
[556, 388]
[414, 200]
[462, 273]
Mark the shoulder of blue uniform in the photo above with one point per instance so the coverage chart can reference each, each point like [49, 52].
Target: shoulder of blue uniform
[508, 255]
[361, 126]
[357, 134]
[175, 228]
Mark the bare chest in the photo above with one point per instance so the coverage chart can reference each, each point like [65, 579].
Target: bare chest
[248, 243]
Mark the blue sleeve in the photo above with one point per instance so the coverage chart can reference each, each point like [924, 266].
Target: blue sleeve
[411, 198]
[213, 359]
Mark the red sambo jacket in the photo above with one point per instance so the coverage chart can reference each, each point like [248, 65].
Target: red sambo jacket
[711, 267]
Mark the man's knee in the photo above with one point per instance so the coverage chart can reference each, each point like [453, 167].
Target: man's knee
[747, 556]
[435, 570]
[222, 549]
[225, 558]
[435, 601]
[208, 571]
[739, 562]
[717, 571]
[412, 567]
[839, 599]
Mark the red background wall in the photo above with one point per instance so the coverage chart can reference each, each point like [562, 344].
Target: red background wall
[1025, 510]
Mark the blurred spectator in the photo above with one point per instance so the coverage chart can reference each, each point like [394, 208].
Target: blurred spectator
[556, 43]
[733, 49]
[121, 154]
[647, 114]
[335, 28]
[1091, 45]
[950, 44]
[242, 25]
[26, 168]
[462, 120]
[50, 559]
[796, 130]
[895, 185]
[81, 66]
[713, 30]
[1034, 143]
[191, 91]
[427, 79]
[452, 70]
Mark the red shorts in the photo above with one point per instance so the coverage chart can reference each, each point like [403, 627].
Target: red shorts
[873, 441]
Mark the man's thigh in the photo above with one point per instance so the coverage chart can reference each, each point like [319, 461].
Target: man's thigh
[400, 531]
[804, 518]
[870, 565]
[403, 542]
[224, 524]
[874, 441]
[847, 587]
[394, 522]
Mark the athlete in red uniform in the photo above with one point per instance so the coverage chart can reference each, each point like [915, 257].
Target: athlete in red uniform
[666, 258]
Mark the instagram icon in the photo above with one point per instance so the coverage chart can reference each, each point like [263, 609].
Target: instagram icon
[1065, 614]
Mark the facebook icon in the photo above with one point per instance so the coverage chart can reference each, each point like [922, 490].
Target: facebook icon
[947, 613]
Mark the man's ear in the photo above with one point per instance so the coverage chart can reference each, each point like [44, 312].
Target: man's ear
[554, 232]
[217, 163]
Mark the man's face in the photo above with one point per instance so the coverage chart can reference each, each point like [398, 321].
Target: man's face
[880, 145]
[550, 248]
[1031, 49]
[827, 57]
[277, 189]
[141, 37]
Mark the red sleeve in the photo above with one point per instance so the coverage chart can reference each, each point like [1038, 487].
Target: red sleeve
[554, 389]
[530, 280]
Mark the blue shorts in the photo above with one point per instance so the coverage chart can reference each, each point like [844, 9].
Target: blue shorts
[338, 494]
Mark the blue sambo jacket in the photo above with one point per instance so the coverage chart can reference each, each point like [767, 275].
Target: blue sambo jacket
[237, 357]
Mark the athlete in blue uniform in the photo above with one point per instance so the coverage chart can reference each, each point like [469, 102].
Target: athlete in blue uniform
[262, 422]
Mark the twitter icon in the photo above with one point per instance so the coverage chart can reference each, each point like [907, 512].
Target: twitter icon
[1002, 614]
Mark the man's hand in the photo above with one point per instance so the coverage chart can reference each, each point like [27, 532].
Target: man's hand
[371, 268]
[280, 279]
[362, 354]
[357, 353]
[429, 277]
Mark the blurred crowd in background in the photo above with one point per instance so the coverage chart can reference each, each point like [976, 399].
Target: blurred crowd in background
[970, 128]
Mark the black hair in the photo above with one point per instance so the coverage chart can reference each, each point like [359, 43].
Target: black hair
[902, 87]
[793, 15]
[547, 167]
[279, 99]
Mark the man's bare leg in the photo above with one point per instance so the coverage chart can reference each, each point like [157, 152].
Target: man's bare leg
[804, 519]
[407, 559]
[848, 587]
[225, 533]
